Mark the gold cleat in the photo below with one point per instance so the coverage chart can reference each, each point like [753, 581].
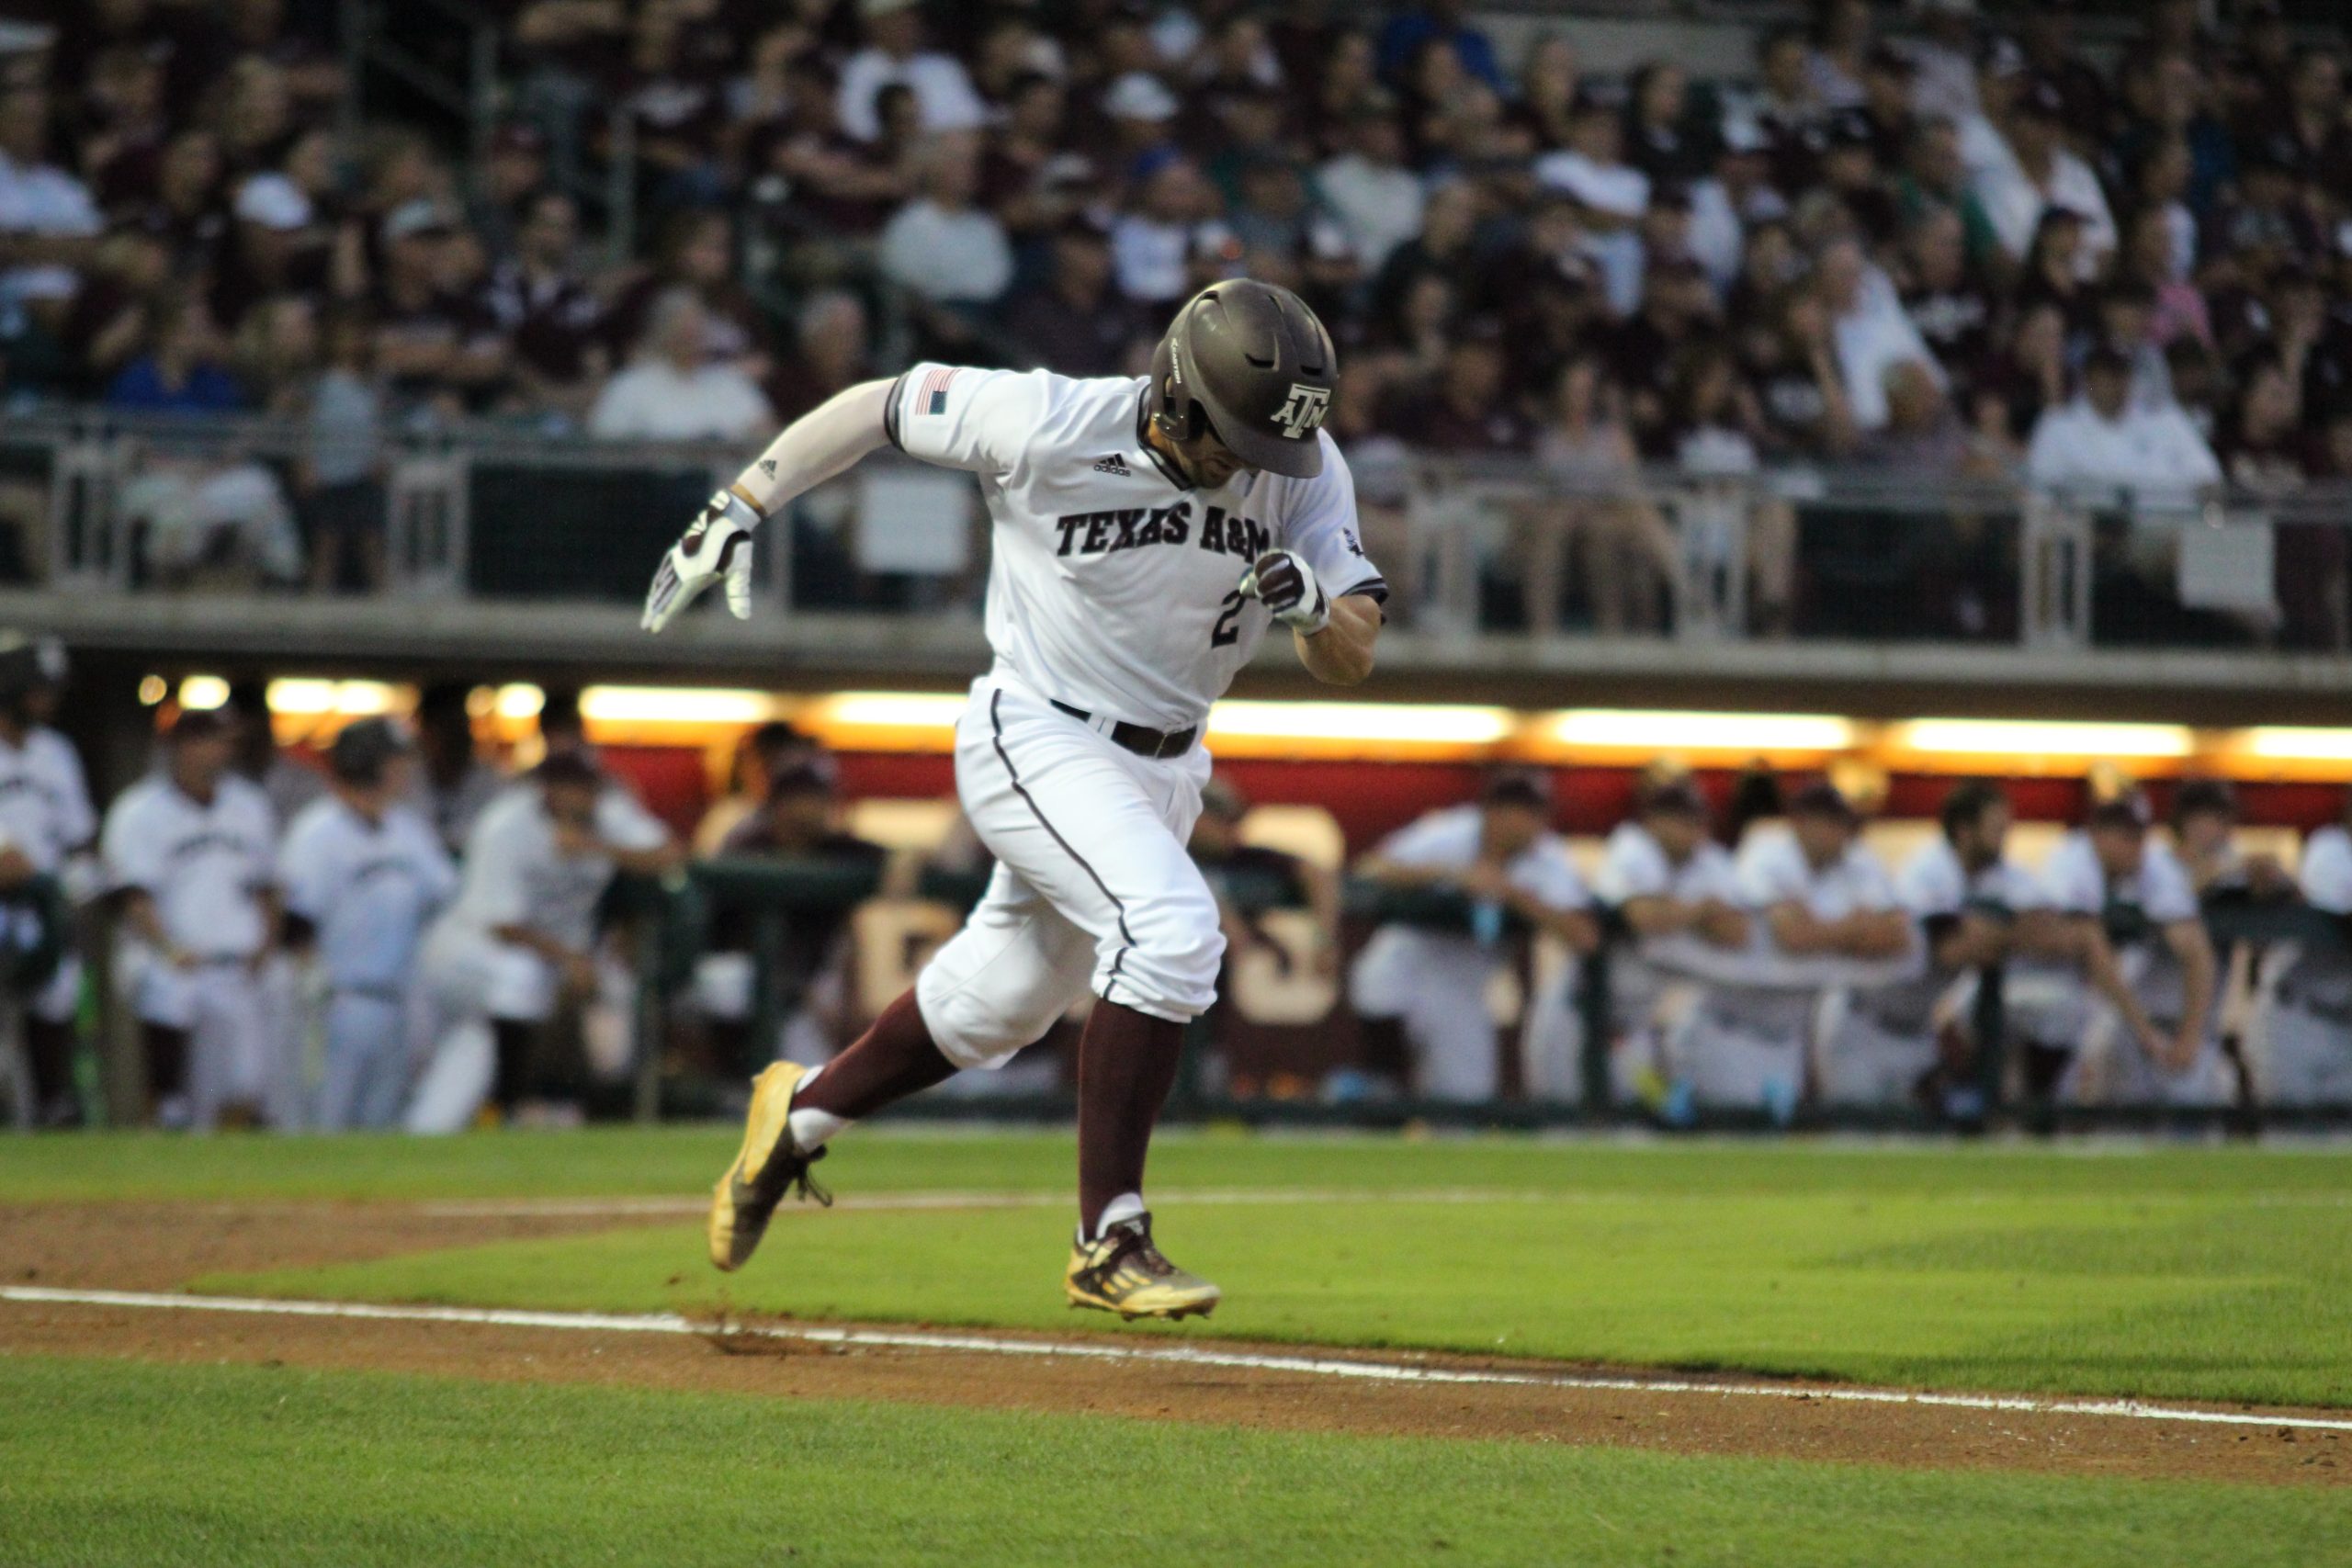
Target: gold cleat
[1125, 1274]
[765, 1168]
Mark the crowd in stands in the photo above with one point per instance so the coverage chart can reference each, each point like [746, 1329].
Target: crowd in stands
[401, 928]
[1938, 239]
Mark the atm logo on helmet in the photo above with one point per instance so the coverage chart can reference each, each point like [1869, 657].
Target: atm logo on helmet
[1303, 413]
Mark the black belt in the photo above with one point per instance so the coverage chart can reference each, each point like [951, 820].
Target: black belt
[1156, 744]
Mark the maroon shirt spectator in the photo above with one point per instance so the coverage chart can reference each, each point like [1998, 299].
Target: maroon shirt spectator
[1076, 322]
[1462, 414]
[546, 309]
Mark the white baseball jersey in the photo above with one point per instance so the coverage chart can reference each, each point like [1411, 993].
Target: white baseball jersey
[1633, 864]
[205, 866]
[2073, 882]
[1114, 586]
[1450, 839]
[2325, 872]
[367, 887]
[1933, 882]
[1773, 870]
[35, 818]
[58, 766]
[514, 876]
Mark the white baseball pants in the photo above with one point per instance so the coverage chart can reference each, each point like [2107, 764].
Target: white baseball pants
[2307, 1057]
[367, 1060]
[469, 979]
[1093, 887]
[1434, 982]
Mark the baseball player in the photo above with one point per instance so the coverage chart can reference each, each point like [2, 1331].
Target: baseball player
[187, 853]
[1962, 893]
[2114, 941]
[1147, 533]
[521, 930]
[1430, 985]
[2308, 1055]
[45, 818]
[1671, 884]
[1819, 896]
[363, 875]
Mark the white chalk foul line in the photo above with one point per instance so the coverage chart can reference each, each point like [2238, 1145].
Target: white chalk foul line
[1162, 1355]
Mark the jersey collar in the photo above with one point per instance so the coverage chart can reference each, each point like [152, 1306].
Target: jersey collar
[1168, 471]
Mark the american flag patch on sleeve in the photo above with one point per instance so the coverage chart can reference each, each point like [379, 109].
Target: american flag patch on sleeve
[934, 398]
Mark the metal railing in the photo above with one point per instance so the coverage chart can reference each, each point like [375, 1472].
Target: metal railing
[1873, 556]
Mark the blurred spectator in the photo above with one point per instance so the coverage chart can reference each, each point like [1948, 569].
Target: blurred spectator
[48, 218]
[1461, 413]
[1076, 321]
[433, 344]
[1229, 861]
[892, 54]
[521, 936]
[182, 369]
[1943, 58]
[1409, 32]
[940, 245]
[695, 252]
[2307, 1054]
[1871, 331]
[2100, 442]
[213, 525]
[1371, 189]
[1418, 991]
[452, 781]
[1841, 44]
[189, 859]
[2035, 172]
[1612, 193]
[363, 874]
[342, 472]
[831, 350]
[761, 756]
[1173, 213]
[671, 392]
[1948, 303]
[545, 308]
[795, 822]
[1623, 543]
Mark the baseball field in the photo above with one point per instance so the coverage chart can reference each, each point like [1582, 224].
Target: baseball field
[508, 1349]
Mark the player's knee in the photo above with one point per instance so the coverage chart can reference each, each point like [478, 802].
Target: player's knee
[978, 1025]
[1165, 956]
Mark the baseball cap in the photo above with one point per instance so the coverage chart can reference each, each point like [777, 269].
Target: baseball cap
[1819, 797]
[421, 214]
[1518, 786]
[273, 201]
[2128, 812]
[2204, 796]
[199, 724]
[1676, 796]
[1139, 94]
[362, 751]
[801, 778]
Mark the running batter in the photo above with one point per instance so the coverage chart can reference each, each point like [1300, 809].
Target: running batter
[1147, 533]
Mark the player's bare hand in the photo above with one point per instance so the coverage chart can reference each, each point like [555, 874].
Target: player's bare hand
[1287, 584]
[2181, 1052]
[717, 544]
[580, 975]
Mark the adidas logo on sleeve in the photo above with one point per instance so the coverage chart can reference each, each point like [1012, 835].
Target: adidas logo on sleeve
[1114, 464]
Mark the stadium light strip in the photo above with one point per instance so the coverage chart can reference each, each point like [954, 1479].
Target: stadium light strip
[2286, 744]
[1673, 732]
[675, 704]
[1352, 1367]
[349, 699]
[2037, 737]
[1369, 723]
[203, 692]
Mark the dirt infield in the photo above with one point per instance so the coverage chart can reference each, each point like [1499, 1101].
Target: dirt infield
[160, 1246]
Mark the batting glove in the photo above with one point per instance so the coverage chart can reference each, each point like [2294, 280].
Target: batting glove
[717, 544]
[1286, 584]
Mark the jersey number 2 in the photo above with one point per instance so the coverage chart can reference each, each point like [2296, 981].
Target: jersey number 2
[1226, 633]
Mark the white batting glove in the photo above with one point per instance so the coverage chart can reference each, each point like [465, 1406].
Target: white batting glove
[717, 544]
[1287, 584]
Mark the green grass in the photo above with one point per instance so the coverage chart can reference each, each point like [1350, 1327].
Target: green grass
[108, 1463]
[2217, 1274]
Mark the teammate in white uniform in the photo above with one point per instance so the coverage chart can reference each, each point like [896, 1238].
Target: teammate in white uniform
[1819, 895]
[363, 874]
[2115, 921]
[1430, 983]
[1963, 893]
[45, 818]
[189, 852]
[1147, 533]
[2307, 1058]
[521, 930]
[1672, 886]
